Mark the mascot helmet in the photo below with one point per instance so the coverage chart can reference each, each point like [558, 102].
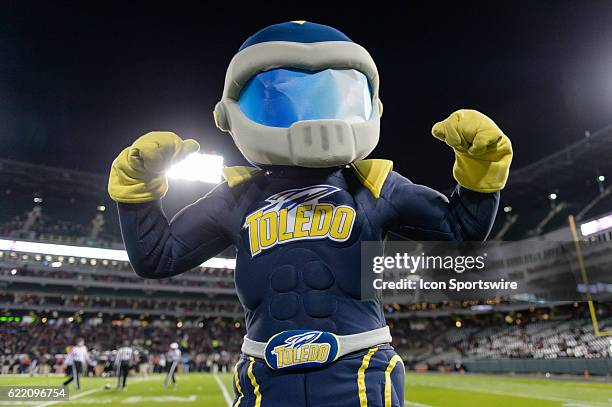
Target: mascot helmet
[301, 94]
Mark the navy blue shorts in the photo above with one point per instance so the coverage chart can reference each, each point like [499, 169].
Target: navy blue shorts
[373, 377]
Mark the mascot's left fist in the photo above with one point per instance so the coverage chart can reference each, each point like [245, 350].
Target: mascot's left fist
[483, 153]
[138, 173]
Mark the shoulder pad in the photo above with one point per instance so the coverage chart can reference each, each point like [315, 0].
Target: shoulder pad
[372, 174]
[238, 174]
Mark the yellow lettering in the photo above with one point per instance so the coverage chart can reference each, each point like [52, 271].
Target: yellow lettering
[252, 224]
[314, 352]
[343, 223]
[301, 219]
[288, 356]
[321, 219]
[311, 221]
[279, 356]
[268, 226]
[324, 352]
[304, 354]
[283, 235]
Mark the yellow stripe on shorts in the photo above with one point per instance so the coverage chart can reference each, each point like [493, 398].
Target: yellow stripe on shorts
[394, 360]
[363, 398]
[237, 382]
[254, 382]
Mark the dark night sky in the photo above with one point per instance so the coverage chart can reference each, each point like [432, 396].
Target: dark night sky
[81, 80]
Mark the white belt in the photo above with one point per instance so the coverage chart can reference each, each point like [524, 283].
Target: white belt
[348, 343]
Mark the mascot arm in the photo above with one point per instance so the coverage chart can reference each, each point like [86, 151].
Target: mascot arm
[421, 213]
[137, 182]
[160, 249]
[483, 154]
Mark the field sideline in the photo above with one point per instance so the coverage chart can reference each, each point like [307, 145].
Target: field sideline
[422, 390]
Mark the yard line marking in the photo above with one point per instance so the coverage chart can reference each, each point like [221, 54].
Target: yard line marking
[78, 396]
[24, 375]
[156, 399]
[92, 391]
[575, 405]
[415, 404]
[507, 393]
[226, 396]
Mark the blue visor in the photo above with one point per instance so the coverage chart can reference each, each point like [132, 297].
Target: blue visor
[281, 97]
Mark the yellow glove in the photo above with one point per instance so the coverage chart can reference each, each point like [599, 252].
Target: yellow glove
[483, 153]
[138, 173]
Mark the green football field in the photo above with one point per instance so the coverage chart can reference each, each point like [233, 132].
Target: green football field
[422, 390]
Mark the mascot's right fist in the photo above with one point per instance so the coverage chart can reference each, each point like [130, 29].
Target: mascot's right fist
[138, 173]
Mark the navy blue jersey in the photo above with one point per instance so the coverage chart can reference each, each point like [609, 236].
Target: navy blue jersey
[298, 233]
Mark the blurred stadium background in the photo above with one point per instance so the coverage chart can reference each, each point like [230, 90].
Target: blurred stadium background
[64, 274]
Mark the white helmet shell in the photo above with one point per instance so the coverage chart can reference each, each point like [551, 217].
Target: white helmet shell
[306, 143]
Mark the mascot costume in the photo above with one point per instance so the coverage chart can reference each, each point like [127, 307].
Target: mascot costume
[301, 103]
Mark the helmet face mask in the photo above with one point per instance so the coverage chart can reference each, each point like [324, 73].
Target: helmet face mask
[280, 97]
[309, 104]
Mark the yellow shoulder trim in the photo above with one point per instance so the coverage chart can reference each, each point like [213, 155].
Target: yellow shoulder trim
[238, 175]
[372, 174]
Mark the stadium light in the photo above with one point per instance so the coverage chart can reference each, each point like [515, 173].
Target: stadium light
[198, 167]
[62, 250]
[84, 253]
[597, 225]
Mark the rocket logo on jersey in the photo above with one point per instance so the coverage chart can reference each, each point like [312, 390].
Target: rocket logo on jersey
[298, 214]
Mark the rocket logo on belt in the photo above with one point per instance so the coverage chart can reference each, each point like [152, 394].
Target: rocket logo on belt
[297, 214]
[301, 349]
